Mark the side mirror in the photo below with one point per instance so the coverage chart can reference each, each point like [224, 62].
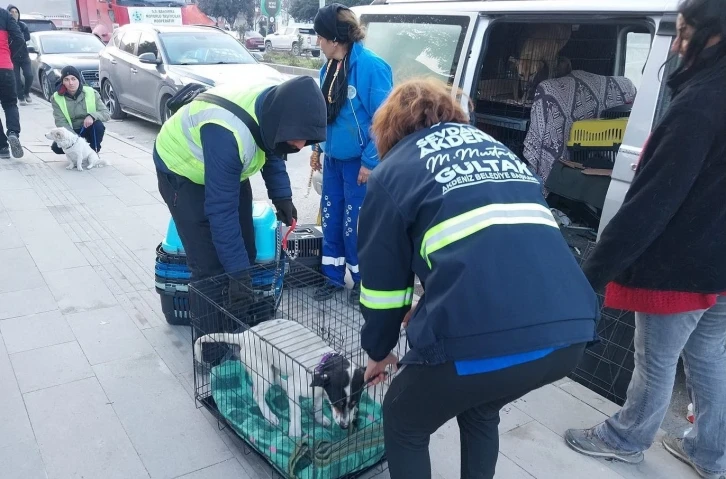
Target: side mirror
[258, 56]
[149, 58]
[32, 49]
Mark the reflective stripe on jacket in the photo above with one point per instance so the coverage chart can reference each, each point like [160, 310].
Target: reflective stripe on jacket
[90, 100]
[179, 144]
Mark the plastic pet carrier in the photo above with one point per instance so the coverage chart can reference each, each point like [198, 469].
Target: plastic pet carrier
[595, 143]
[262, 388]
[304, 250]
[172, 274]
[607, 367]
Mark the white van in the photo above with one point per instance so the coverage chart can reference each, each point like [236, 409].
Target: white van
[489, 49]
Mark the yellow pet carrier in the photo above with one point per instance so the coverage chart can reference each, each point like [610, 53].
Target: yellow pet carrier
[595, 143]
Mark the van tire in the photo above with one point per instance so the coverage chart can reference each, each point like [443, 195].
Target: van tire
[295, 50]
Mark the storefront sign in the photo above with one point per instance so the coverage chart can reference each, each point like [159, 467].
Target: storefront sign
[155, 16]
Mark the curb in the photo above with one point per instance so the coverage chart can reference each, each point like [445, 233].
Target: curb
[115, 136]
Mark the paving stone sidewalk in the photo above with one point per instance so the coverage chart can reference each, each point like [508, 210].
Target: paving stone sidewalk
[93, 382]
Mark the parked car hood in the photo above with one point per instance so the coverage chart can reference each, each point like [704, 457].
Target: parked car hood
[219, 74]
[82, 61]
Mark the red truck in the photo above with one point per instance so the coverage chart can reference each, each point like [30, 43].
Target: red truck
[100, 17]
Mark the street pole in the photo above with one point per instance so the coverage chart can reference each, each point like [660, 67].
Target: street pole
[321, 3]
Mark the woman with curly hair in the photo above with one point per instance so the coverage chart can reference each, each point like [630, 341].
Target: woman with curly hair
[505, 310]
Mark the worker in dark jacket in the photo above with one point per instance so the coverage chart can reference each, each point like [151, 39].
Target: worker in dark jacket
[11, 45]
[662, 256]
[205, 155]
[505, 310]
[22, 61]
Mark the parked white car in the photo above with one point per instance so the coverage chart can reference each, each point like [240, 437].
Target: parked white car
[295, 39]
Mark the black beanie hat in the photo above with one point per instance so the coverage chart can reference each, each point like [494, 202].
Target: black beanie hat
[71, 71]
[327, 26]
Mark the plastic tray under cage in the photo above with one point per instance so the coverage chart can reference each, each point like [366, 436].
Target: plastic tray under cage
[291, 387]
[607, 367]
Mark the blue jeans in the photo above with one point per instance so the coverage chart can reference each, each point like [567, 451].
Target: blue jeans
[341, 201]
[659, 340]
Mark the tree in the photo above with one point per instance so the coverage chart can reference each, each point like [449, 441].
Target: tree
[303, 11]
[229, 9]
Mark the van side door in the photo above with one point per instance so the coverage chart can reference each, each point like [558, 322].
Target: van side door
[648, 105]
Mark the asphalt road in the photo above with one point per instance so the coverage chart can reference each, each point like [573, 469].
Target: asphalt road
[144, 133]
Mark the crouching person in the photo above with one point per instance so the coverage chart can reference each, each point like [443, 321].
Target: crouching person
[80, 109]
[506, 308]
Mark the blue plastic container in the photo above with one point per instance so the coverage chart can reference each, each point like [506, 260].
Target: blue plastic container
[265, 223]
[172, 243]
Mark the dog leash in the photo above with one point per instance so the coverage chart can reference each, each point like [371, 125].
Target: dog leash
[290, 254]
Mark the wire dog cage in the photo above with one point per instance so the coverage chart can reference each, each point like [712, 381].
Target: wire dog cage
[512, 70]
[607, 367]
[291, 386]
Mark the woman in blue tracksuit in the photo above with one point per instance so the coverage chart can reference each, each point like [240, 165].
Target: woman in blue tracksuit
[355, 82]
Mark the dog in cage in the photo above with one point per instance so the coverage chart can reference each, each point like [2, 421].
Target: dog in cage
[287, 354]
[538, 57]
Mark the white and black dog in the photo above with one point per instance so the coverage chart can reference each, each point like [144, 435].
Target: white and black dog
[287, 354]
[77, 149]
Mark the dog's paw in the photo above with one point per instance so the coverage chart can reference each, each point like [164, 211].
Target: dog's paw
[70, 167]
[322, 419]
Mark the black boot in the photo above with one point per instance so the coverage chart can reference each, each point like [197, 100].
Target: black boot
[326, 291]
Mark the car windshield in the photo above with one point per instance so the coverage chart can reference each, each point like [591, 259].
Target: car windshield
[39, 25]
[70, 43]
[204, 49]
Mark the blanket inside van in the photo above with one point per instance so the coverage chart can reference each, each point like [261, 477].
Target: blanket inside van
[560, 102]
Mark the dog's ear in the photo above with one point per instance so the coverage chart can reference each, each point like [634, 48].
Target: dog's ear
[319, 380]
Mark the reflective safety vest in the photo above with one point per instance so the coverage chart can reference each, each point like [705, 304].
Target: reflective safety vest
[90, 97]
[179, 143]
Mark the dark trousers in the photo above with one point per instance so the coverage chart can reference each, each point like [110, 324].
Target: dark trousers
[93, 135]
[185, 200]
[421, 399]
[23, 88]
[9, 102]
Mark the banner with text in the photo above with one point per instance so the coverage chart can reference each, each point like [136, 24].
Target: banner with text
[155, 16]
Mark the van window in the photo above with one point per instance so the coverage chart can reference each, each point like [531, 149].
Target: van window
[416, 46]
[637, 47]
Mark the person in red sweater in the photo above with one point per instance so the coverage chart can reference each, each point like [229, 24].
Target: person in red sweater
[11, 44]
[663, 256]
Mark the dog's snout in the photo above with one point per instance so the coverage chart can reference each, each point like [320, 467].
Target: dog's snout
[344, 425]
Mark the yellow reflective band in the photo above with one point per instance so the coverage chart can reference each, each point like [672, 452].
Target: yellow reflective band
[373, 299]
[466, 224]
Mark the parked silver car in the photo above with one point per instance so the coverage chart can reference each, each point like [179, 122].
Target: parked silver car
[144, 65]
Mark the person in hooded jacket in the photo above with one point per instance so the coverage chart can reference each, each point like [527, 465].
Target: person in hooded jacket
[22, 61]
[205, 155]
[11, 45]
[662, 256]
[79, 108]
[355, 82]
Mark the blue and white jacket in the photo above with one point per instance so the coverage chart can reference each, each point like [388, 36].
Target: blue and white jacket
[370, 80]
[456, 208]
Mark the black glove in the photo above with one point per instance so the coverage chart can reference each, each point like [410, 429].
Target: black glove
[286, 211]
[238, 294]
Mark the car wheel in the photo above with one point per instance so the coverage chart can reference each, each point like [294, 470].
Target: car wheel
[268, 46]
[108, 95]
[315, 53]
[164, 111]
[46, 86]
[295, 49]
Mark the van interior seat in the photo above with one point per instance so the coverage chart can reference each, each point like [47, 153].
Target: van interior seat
[558, 103]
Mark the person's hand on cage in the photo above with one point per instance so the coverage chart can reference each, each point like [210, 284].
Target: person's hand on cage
[409, 314]
[376, 370]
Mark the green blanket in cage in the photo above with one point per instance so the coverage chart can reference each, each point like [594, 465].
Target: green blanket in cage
[322, 453]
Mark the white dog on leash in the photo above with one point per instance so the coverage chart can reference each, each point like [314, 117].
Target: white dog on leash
[77, 149]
